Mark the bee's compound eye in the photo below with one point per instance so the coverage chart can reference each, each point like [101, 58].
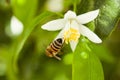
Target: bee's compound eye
[60, 40]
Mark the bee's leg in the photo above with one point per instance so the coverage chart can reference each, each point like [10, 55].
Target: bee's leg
[56, 57]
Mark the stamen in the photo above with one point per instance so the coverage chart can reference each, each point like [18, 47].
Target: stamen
[71, 35]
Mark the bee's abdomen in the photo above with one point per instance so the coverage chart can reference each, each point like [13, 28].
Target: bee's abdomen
[56, 46]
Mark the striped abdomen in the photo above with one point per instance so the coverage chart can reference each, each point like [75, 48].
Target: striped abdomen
[54, 48]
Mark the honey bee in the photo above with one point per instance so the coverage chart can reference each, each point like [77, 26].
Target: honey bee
[54, 48]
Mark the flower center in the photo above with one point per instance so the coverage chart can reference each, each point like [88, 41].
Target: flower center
[71, 35]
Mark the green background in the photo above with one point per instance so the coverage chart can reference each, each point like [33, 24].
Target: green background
[23, 57]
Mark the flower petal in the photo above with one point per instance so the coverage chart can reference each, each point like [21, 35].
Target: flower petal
[73, 45]
[87, 17]
[70, 15]
[89, 34]
[74, 25]
[67, 26]
[54, 25]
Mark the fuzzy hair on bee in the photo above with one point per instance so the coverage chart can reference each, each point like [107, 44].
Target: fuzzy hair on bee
[54, 48]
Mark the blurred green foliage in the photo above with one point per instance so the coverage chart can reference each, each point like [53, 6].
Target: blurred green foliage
[23, 57]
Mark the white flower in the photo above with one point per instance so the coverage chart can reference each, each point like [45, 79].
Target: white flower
[72, 27]
[55, 5]
[16, 26]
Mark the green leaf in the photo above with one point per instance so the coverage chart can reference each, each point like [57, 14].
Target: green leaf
[86, 65]
[3, 60]
[107, 20]
[24, 10]
[19, 42]
[103, 53]
[108, 16]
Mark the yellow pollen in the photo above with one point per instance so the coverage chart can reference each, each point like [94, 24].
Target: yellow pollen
[71, 35]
